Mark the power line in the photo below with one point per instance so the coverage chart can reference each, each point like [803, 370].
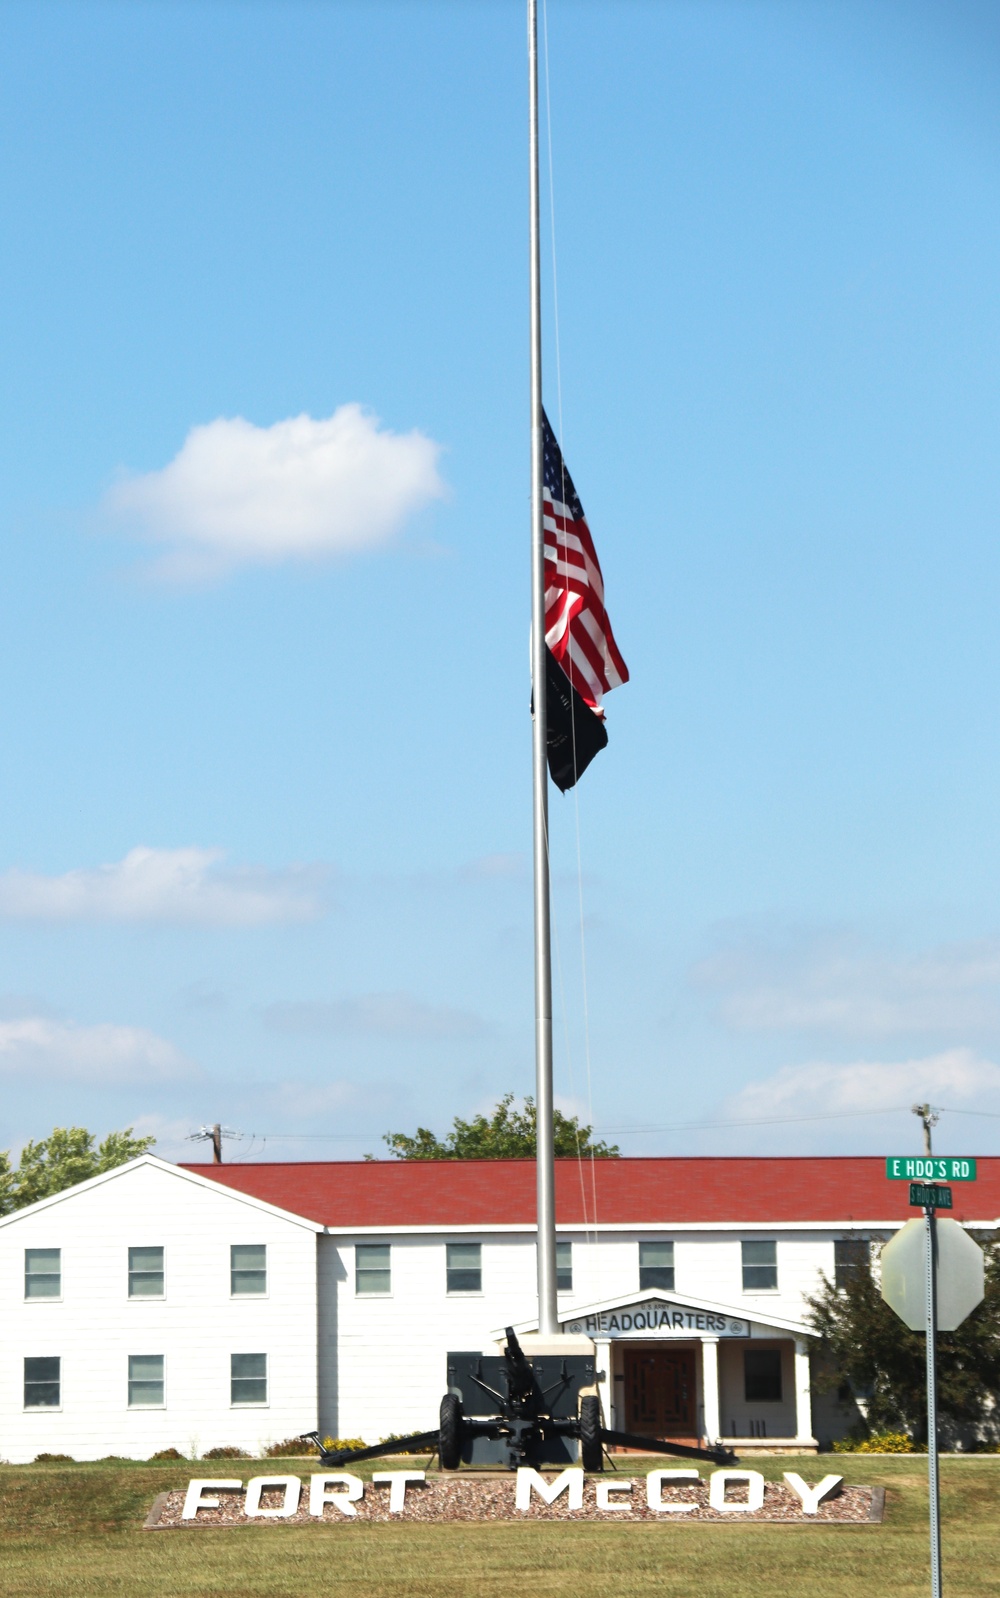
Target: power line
[636, 1131]
[675, 1126]
[991, 1115]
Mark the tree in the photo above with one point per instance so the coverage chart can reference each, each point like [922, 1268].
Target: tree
[507, 1134]
[62, 1159]
[864, 1345]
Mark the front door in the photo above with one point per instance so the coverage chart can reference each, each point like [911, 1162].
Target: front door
[659, 1392]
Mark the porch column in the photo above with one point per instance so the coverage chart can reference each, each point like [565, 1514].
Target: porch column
[710, 1387]
[803, 1393]
[602, 1365]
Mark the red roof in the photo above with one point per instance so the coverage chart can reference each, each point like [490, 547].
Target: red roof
[642, 1192]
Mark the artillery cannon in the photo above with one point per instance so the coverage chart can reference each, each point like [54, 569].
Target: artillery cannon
[513, 1409]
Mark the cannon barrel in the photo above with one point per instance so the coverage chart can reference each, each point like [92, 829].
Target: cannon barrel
[520, 1376]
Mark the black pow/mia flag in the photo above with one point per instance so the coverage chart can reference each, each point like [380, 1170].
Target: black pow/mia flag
[575, 732]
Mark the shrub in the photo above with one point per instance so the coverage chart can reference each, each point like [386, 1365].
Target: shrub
[226, 1451]
[54, 1459]
[304, 1446]
[165, 1453]
[877, 1443]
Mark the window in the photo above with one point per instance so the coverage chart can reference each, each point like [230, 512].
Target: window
[145, 1273]
[465, 1267]
[248, 1379]
[564, 1267]
[41, 1383]
[851, 1257]
[248, 1270]
[760, 1267]
[42, 1273]
[656, 1265]
[372, 1269]
[145, 1381]
[762, 1375]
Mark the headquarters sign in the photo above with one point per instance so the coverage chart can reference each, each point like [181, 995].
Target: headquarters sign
[661, 1320]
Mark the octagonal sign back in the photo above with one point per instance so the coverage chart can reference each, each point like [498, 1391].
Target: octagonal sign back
[960, 1274]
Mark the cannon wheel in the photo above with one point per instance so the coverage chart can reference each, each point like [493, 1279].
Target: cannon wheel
[591, 1445]
[452, 1430]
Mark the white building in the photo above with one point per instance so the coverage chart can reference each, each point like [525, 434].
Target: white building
[167, 1306]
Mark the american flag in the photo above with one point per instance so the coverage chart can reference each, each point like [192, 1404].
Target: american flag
[577, 629]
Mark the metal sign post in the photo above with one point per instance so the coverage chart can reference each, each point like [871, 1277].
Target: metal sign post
[933, 1276]
[930, 1329]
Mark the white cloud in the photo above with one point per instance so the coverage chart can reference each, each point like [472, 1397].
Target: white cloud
[100, 1055]
[496, 868]
[236, 494]
[165, 885]
[956, 1077]
[388, 1015]
[172, 1134]
[307, 1104]
[836, 986]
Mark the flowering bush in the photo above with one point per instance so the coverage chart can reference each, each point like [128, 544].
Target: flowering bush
[297, 1447]
[226, 1451]
[877, 1443]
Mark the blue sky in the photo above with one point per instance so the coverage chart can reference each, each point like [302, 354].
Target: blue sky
[264, 801]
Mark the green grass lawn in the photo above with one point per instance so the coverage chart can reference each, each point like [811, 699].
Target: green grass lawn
[76, 1530]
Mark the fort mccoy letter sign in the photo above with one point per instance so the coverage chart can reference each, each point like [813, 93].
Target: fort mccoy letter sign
[669, 1496]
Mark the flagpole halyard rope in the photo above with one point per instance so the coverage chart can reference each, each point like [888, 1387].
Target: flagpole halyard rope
[561, 535]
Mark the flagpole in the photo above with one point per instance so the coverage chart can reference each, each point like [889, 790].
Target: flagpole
[548, 1322]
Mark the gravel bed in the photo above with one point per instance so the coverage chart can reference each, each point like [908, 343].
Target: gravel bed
[492, 1499]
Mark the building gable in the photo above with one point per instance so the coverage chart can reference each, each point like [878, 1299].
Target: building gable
[168, 1171]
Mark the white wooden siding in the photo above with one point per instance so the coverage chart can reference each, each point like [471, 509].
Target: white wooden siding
[95, 1326]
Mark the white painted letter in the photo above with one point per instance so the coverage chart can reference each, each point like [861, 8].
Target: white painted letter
[259, 1484]
[193, 1500]
[717, 1490]
[654, 1491]
[319, 1494]
[548, 1492]
[604, 1488]
[397, 1480]
[812, 1497]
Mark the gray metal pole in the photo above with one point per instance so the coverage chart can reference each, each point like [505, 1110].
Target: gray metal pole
[930, 1279]
[546, 1172]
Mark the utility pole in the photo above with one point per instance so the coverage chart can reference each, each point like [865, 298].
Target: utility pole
[214, 1135]
[930, 1119]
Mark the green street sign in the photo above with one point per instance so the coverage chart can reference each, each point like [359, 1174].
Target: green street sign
[929, 1196]
[929, 1168]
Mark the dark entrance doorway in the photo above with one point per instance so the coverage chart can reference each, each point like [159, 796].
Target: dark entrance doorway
[660, 1392]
